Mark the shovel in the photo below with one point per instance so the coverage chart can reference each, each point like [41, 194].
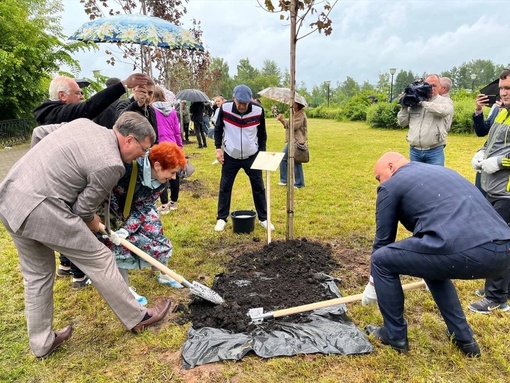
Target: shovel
[195, 287]
[257, 315]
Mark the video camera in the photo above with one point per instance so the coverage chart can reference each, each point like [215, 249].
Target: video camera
[415, 93]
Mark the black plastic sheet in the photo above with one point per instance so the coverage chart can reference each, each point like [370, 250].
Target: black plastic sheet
[327, 331]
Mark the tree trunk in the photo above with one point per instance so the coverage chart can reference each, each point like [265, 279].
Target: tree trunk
[290, 148]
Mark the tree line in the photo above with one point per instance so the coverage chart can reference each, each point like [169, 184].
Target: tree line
[32, 50]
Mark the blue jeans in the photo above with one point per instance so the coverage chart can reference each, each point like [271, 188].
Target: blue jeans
[488, 260]
[299, 177]
[433, 156]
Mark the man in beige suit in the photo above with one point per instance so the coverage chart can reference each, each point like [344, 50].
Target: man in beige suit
[48, 202]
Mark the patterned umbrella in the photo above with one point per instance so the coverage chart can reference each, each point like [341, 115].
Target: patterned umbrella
[282, 95]
[193, 95]
[136, 29]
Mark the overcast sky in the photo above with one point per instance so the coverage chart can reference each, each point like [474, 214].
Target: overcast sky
[369, 37]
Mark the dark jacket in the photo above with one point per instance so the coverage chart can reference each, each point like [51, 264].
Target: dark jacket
[55, 112]
[197, 111]
[108, 117]
[445, 212]
[130, 105]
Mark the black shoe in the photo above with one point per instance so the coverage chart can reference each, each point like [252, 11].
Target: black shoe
[469, 348]
[64, 272]
[79, 283]
[401, 345]
[200, 146]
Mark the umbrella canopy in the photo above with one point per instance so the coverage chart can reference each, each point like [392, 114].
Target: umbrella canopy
[82, 82]
[282, 95]
[193, 95]
[136, 29]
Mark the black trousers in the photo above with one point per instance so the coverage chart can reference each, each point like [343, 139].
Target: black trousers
[174, 186]
[75, 271]
[229, 170]
[200, 133]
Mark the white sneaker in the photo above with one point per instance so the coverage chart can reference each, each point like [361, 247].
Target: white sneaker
[220, 225]
[164, 209]
[282, 183]
[172, 205]
[142, 300]
[264, 225]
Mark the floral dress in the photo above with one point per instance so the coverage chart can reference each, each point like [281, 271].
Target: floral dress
[143, 223]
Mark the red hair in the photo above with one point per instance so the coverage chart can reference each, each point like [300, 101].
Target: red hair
[168, 154]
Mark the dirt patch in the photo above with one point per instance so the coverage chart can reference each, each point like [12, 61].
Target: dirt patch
[279, 275]
[193, 186]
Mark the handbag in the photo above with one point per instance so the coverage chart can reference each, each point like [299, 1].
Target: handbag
[188, 170]
[301, 153]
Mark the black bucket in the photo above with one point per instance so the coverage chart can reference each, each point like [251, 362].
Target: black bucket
[243, 221]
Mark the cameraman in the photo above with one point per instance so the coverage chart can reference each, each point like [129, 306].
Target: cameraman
[428, 125]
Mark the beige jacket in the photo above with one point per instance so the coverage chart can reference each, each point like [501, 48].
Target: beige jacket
[300, 127]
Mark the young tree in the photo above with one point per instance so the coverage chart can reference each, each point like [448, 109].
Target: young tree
[297, 11]
[30, 50]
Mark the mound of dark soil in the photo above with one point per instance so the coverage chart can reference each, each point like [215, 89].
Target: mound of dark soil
[282, 274]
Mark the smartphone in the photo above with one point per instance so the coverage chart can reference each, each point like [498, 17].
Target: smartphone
[492, 99]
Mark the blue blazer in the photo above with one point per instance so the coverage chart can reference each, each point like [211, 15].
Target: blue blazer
[444, 211]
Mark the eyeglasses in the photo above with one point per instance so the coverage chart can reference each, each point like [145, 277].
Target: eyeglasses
[146, 150]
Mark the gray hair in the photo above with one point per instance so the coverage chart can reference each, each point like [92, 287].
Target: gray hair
[132, 123]
[446, 82]
[59, 84]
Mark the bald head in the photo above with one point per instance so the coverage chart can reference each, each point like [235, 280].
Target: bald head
[388, 164]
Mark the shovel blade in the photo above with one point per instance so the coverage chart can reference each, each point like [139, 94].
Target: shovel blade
[256, 315]
[206, 293]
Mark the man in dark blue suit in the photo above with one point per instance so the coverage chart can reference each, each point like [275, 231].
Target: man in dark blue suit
[457, 234]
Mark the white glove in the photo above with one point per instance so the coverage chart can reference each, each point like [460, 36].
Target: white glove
[476, 162]
[491, 165]
[369, 295]
[116, 236]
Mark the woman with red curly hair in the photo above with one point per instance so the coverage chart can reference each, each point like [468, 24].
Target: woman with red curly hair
[141, 222]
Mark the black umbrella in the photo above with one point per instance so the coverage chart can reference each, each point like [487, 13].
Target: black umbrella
[193, 95]
[82, 82]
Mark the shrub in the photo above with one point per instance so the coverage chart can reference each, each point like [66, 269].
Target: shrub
[383, 115]
[463, 116]
[332, 113]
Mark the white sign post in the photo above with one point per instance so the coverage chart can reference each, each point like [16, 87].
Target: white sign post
[268, 161]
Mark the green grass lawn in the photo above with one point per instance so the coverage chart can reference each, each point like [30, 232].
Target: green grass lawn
[337, 204]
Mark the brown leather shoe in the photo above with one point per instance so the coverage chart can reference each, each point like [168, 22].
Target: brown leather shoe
[156, 314]
[60, 337]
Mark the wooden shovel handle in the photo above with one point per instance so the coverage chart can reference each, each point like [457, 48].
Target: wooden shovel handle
[147, 258]
[337, 301]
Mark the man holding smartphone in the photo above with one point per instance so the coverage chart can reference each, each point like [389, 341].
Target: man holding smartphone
[493, 161]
